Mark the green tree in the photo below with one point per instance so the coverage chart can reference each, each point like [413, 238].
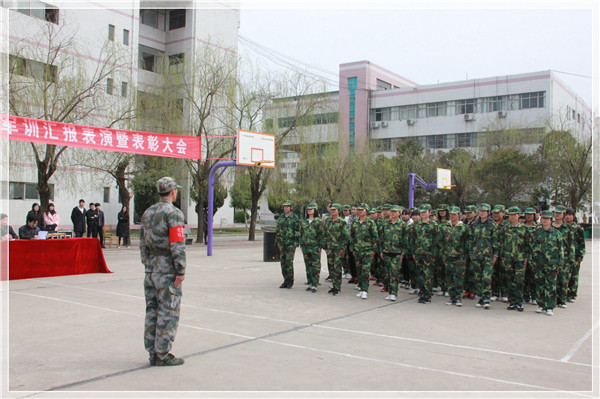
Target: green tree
[240, 194]
[464, 186]
[411, 158]
[279, 191]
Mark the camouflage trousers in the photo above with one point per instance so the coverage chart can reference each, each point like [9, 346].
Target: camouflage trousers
[469, 281]
[455, 273]
[393, 265]
[562, 282]
[483, 268]
[364, 260]
[545, 276]
[439, 274]
[350, 262]
[412, 270]
[163, 302]
[337, 264]
[573, 280]
[286, 257]
[529, 285]
[515, 276]
[499, 281]
[312, 262]
[424, 266]
[376, 267]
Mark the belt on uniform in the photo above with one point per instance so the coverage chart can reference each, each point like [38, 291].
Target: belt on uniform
[159, 252]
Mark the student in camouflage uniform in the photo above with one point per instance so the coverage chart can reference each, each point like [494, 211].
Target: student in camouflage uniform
[424, 250]
[529, 288]
[439, 271]
[162, 249]
[409, 254]
[311, 242]
[455, 235]
[547, 256]
[515, 244]
[579, 241]
[499, 282]
[562, 279]
[287, 237]
[365, 241]
[335, 242]
[483, 250]
[469, 283]
[350, 261]
[392, 243]
[376, 264]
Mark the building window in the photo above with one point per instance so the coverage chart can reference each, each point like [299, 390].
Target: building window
[106, 195]
[153, 18]
[151, 59]
[381, 85]
[269, 124]
[126, 37]
[123, 89]
[176, 19]
[26, 191]
[466, 139]
[382, 114]
[532, 100]
[34, 69]
[109, 86]
[111, 33]
[493, 104]
[465, 106]
[436, 141]
[408, 112]
[176, 63]
[435, 109]
[38, 9]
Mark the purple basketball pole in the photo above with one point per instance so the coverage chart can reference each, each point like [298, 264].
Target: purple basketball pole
[211, 200]
[419, 183]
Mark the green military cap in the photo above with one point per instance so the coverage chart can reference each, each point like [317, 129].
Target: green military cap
[401, 207]
[424, 208]
[288, 203]
[530, 211]
[443, 207]
[484, 207]
[386, 206]
[470, 208]
[312, 205]
[347, 207]
[498, 208]
[547, 214]
[396, 208]
[338, 206]
[454, 209]
[412, 209]
[513, 209]
[428, 206]
[560, 209]
[373, 210]
[362, 206]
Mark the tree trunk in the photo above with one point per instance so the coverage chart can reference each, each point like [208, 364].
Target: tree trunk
[122, 183]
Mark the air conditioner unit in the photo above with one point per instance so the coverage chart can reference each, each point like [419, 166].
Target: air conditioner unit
[469, 117]
[411, 122]
[501, 114]
[384, 124]
[374, 125]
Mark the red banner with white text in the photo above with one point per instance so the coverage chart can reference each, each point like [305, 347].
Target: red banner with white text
[98, 138]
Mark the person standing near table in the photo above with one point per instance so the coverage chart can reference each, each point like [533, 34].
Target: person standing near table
[162, 250]
[100, 224]
[51, 219]
[91, 217]
[78, 219]
[123, 227]
[37, 214]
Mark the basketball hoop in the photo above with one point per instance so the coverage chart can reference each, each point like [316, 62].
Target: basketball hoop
[258, 163]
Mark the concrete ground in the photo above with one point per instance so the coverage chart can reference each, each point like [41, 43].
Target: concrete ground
[240, 335]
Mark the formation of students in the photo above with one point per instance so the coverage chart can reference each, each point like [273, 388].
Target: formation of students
[529, 257]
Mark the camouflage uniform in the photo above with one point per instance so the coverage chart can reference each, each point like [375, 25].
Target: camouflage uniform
[454, 249]
[547, 256]
[392, 245]
[311, 241]
[335, 241]
[287, 237]
[409, 254]
[365, 240]
[162, 251]
[562, 279]
[499, 281]
[529, 287]
[579, 241]
[483, 248]
[469, 282]
[440, 269]
[424, 248]
[515, 244]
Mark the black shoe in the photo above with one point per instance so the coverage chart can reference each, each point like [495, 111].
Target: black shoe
[519, 308]
[335, 292]
[284, 285]
[331, 291]
[308, 289]
[152, 360]
[290, 284]
[328, 278]
[512, 306]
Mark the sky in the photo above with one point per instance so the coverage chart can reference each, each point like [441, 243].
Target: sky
[430, 44]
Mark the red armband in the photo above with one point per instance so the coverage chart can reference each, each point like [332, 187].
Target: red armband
[176, 234]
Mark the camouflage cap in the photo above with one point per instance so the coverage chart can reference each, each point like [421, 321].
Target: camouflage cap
[396, 208]
[484, 207]
[288, 203]
[165, 184]
[530, 211]
[424, 208]
[428, 206]
[372, 210]
[454, 209]
[338, 206]
[347, 207]
[498, 208]
[513, 210]
[560, 209]
[401, 207]
[412, 209]
[547, 214]
[443, 207]
[386, 206]
[362, 206]
[312, 205]
[470, 208]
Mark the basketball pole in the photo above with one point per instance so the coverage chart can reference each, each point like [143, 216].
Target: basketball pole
[412, 177]
[211, 200]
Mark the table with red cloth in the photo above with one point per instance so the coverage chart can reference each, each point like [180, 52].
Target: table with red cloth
[47, 258]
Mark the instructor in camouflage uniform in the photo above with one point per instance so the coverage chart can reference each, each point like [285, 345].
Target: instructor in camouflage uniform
[287, 238]
[162, 249]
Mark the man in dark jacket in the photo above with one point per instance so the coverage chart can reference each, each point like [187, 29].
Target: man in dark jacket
[100, 224]
[78, 219]
[91, 217]
[30, 230]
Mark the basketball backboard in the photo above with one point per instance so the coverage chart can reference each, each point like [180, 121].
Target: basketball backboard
[255, 149]
[444, 179]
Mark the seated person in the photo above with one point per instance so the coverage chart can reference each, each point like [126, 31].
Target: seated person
[6, 231]
[30, 230]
